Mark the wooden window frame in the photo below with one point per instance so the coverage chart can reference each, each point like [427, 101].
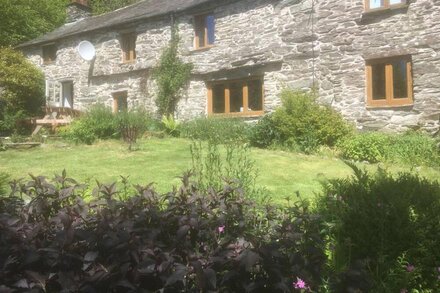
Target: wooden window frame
[245, 98]
[48, 59]
[128, 47]
[206, 33]
[389, 100]
[385, 5]
[115, 96]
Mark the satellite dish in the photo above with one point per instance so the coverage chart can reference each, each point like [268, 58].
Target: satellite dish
[86, 50]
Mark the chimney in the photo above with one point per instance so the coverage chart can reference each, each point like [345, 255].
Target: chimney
[78, 9]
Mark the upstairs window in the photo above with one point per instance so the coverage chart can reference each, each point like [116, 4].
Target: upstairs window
[49, 53]
[389, 82]
[128, 45]
[383, 4]
[236, 97]
[120, 103]
[204, 26]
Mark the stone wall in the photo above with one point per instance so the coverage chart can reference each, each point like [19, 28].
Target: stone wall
[348, 37]
[291, 43]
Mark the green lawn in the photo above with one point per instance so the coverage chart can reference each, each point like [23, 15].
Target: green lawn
[163, 160]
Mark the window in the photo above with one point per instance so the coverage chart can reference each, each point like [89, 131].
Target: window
[204, 26]
[383, 4]
[128, 45]
[389, 82]
[49, 54]
[237, 97]
[120, 102]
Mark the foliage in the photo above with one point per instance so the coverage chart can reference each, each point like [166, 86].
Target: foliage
[184, 241]
[131, 125]
[214, 164]
[102, 121]
[79, 131]
[414, 148]
[377, 223]
[171, 75]
[368, 146]
[171, 125]
[104, 6]
[216, 130]
[3, 183]
[301, 122]
[264, 133]
[22, 20]
[21, 89]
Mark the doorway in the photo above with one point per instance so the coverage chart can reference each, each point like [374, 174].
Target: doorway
[67, 94]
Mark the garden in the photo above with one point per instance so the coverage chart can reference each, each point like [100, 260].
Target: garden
[298, 201]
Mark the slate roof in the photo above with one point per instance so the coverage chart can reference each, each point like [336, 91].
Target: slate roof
[141, 10]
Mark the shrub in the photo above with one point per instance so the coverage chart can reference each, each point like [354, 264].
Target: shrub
[184, 241]
[21, 90]
[264, 133]
[377, 223]
[369, 146]
[217, 130]
[79, 131]
[132, 124]
[413, 148]
[102, 122]
[3, 184]
[302, 122]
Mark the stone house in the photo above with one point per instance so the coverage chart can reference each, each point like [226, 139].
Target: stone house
[375, 61]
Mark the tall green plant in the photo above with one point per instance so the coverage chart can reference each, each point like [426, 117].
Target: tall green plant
[171, 75]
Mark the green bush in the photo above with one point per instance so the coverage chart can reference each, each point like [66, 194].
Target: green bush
[220, 130]
[102, 121]
[264, 133]
[21, 90]
[171, 126]
[303, 123]
[132, 124]
[385, 222]
[414, 148]
[79, 132]
[369, 146]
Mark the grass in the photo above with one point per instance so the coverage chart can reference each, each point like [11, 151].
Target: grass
[163, 160]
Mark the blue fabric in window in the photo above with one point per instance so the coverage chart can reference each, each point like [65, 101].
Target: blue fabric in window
[210, 25]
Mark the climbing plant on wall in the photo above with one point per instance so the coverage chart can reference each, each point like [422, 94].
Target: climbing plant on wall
[171, 75]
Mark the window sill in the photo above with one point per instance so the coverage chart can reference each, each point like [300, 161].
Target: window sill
[238, 114]
[49, 63]
[385, 9]
[404, 105]
[128, 62]
[201, 49]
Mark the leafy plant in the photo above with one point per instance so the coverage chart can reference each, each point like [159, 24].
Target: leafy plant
[216, 130]
[21, 90]
[414, 148]
[264, 133]
[132, 124]
[373, 220]
[368, 146]
[301, 122]
[187, 240]
[171, 125]
[171, 76]
[79, 131]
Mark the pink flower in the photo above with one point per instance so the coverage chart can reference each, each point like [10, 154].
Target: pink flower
[410, 268]
[299, 284]
[221, 229]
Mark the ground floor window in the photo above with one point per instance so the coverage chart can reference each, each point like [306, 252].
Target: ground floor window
[236, 97]
[389, 81]
[120, 103]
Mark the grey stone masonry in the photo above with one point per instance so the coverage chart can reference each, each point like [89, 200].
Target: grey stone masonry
[299, 44]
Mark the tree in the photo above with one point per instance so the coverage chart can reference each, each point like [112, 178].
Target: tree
[21, 89]
[22, 20]
[171, 76]
[104, 6]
